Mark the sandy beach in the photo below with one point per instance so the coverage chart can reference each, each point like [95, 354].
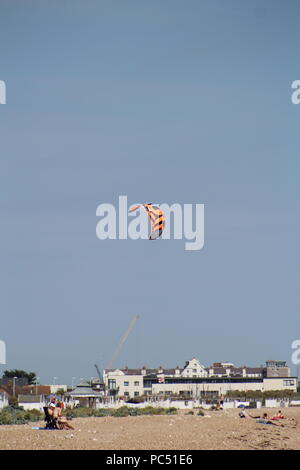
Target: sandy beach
[217, 430]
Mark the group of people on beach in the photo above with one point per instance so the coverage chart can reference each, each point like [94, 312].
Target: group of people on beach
[264, 419]
[55, 409]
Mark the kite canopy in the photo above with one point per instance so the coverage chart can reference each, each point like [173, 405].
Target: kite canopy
[156, 217]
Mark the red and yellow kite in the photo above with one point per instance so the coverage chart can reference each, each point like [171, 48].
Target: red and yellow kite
[156, 217]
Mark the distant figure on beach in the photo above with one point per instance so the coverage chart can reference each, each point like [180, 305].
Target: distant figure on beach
[61, 420]
[266, 420]
[278, 416]
[221, 402]
[52, 402]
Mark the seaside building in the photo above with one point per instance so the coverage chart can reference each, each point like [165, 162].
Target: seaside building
[194, 369]
[32, 402]
[83, 395]
[194, 380]
[223, 369]
[276, 369]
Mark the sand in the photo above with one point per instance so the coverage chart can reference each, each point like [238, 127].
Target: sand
[218, 430]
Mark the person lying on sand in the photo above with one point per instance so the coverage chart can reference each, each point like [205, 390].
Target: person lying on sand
[280, 416]
[265, 420]
[260, 420]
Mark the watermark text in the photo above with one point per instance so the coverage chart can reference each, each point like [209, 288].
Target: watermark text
[2, 352]
[181, 221]
[2, 92]
[296, 354]
[296, 94]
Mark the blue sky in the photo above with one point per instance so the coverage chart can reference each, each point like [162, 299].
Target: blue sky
[163, 101]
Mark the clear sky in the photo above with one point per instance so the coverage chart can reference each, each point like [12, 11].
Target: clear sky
[163, 101]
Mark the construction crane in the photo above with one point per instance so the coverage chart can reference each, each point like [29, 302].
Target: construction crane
[99, 373]
[122, 341]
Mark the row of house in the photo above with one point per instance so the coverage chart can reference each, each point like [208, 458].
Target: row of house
[28, 396]
[195, 380]
[191, 381]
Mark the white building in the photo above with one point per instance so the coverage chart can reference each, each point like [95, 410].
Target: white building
[32, 402]
[193, 368]
[198, 388]
[58, 388]
[193, 380]
[127, 383]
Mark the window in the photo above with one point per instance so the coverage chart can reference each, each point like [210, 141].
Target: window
[111, 384]
[136, 394]
[126, 384]
[136, 383]
[288, 383]
[126, 394]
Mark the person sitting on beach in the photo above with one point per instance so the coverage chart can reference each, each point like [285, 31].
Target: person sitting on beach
[278, 416]
[52, 403]
[51, 407]
[61, 420]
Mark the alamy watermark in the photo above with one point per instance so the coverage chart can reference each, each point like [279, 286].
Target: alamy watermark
[186, 221]
[2, 352]
[296, 354]
[2, 92]
[296, 94]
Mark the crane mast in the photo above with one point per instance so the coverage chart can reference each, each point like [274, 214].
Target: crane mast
[99, 373]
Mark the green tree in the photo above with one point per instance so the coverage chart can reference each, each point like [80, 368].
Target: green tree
[21, 374]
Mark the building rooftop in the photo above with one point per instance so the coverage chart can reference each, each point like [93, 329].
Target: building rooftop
[29, 398]
[83, 390]
[146, 371]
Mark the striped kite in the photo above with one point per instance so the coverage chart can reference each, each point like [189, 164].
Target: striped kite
[156, 217]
